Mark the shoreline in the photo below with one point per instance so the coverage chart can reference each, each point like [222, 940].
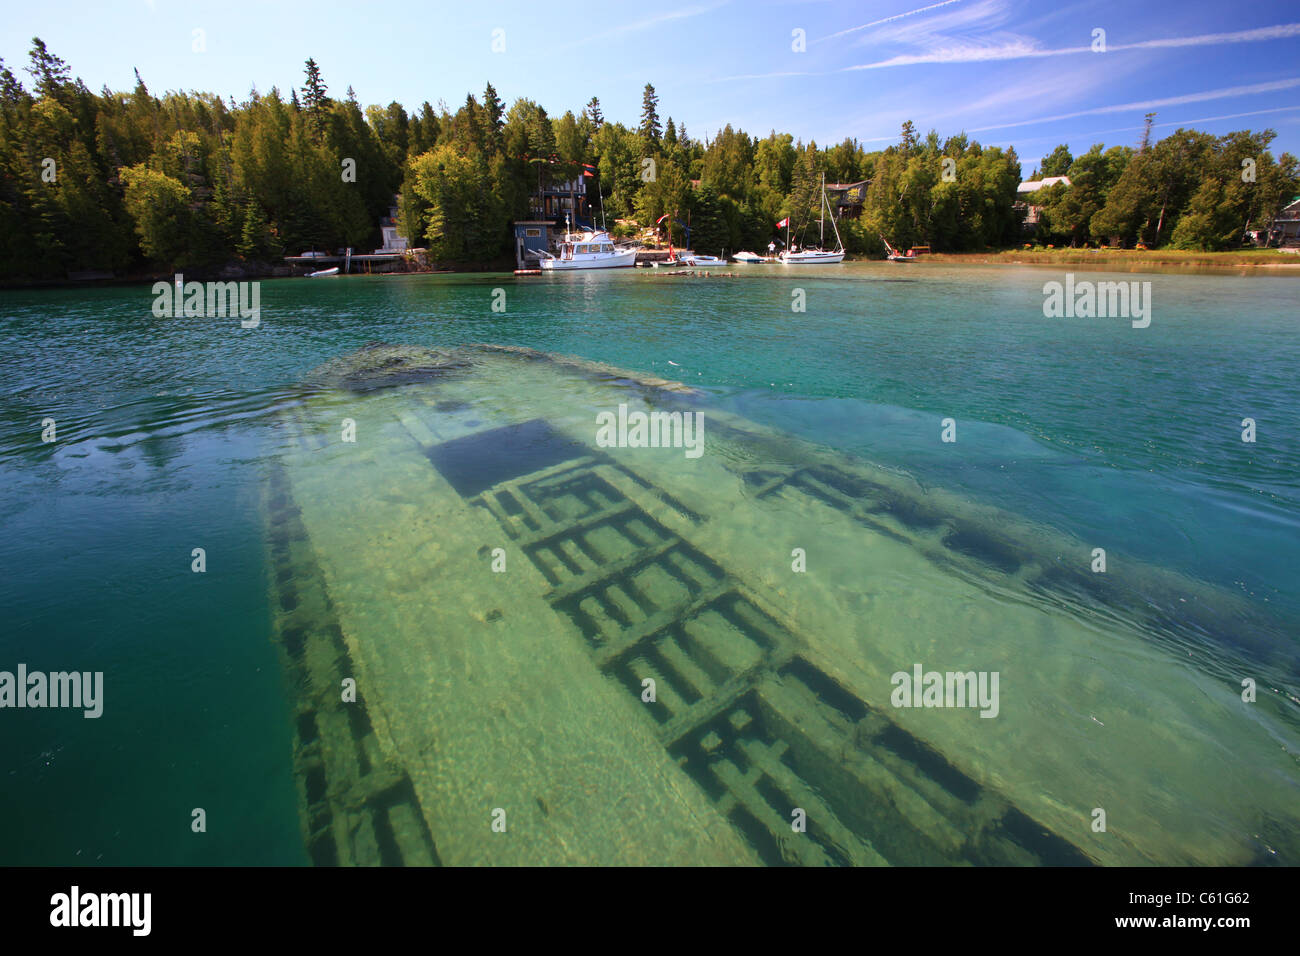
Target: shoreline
[1115, 260]
[1131, 260]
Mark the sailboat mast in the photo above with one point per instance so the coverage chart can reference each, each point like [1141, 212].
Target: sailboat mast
[839, 243]
[821, 216]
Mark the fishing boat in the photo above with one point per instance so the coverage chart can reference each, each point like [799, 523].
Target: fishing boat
[588, 250]
[818, 256]
[896, 256]
[321, 273]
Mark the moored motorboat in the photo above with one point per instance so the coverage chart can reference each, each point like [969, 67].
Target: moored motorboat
[752, 258]
[704, 262]
[590, 250]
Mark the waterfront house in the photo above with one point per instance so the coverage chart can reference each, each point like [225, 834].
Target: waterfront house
[846, 199]
[1024, 201]
[556, 201]
[1285, 228]
[393, 243]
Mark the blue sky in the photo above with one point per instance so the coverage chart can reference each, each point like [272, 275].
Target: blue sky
[1009, 72]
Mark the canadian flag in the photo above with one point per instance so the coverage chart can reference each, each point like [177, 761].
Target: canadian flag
[783, 223]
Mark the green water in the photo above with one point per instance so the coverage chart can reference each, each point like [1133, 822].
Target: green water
[1095, 432]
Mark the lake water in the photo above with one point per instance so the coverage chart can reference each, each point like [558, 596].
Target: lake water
[1119, 691]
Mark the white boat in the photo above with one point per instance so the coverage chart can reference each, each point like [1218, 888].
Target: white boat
[704, 262]
[752, 258]
[793, 256]
[811, 257]
[320, 273]
[589, 250]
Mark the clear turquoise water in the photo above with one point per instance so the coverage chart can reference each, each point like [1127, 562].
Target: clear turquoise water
[1129, 438]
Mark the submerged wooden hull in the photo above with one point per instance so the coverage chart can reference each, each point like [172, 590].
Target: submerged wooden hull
[504, 589]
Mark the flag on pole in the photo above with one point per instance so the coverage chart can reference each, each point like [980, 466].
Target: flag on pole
[783, 223]
[660, 220]
[588, 170]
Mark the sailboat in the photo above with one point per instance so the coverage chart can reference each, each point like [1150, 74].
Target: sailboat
[816, 256]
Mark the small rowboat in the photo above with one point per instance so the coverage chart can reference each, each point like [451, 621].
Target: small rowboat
[320, 273]
[893, 255]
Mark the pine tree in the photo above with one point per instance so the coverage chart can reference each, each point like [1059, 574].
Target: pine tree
[593, 113]
[52, 75]
[494, 112]
[315, 98]
[908, 138]
[11, 90]
[1146, 133]
[1058, 162]
[255, 235]
[649, 128]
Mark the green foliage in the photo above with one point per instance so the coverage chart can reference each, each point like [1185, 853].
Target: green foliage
[669, 193]
[1209, 223]
[710, 231]
[1069, 210]
[1058, 163]
[649, 128]
[463, 218]
[167, 225]
[1197, 191]
[133, 181]
[315, 99]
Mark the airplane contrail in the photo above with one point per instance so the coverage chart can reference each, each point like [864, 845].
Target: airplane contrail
[1143, 105]
[897, 16]
[1019, 49]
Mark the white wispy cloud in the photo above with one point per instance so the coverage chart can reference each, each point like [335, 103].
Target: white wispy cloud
[945, 50]
[1143, 106]
[646, 23]
[1088, 136]
[1272, 86]
[1040, 87]
[882, 22]
[765, 76]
